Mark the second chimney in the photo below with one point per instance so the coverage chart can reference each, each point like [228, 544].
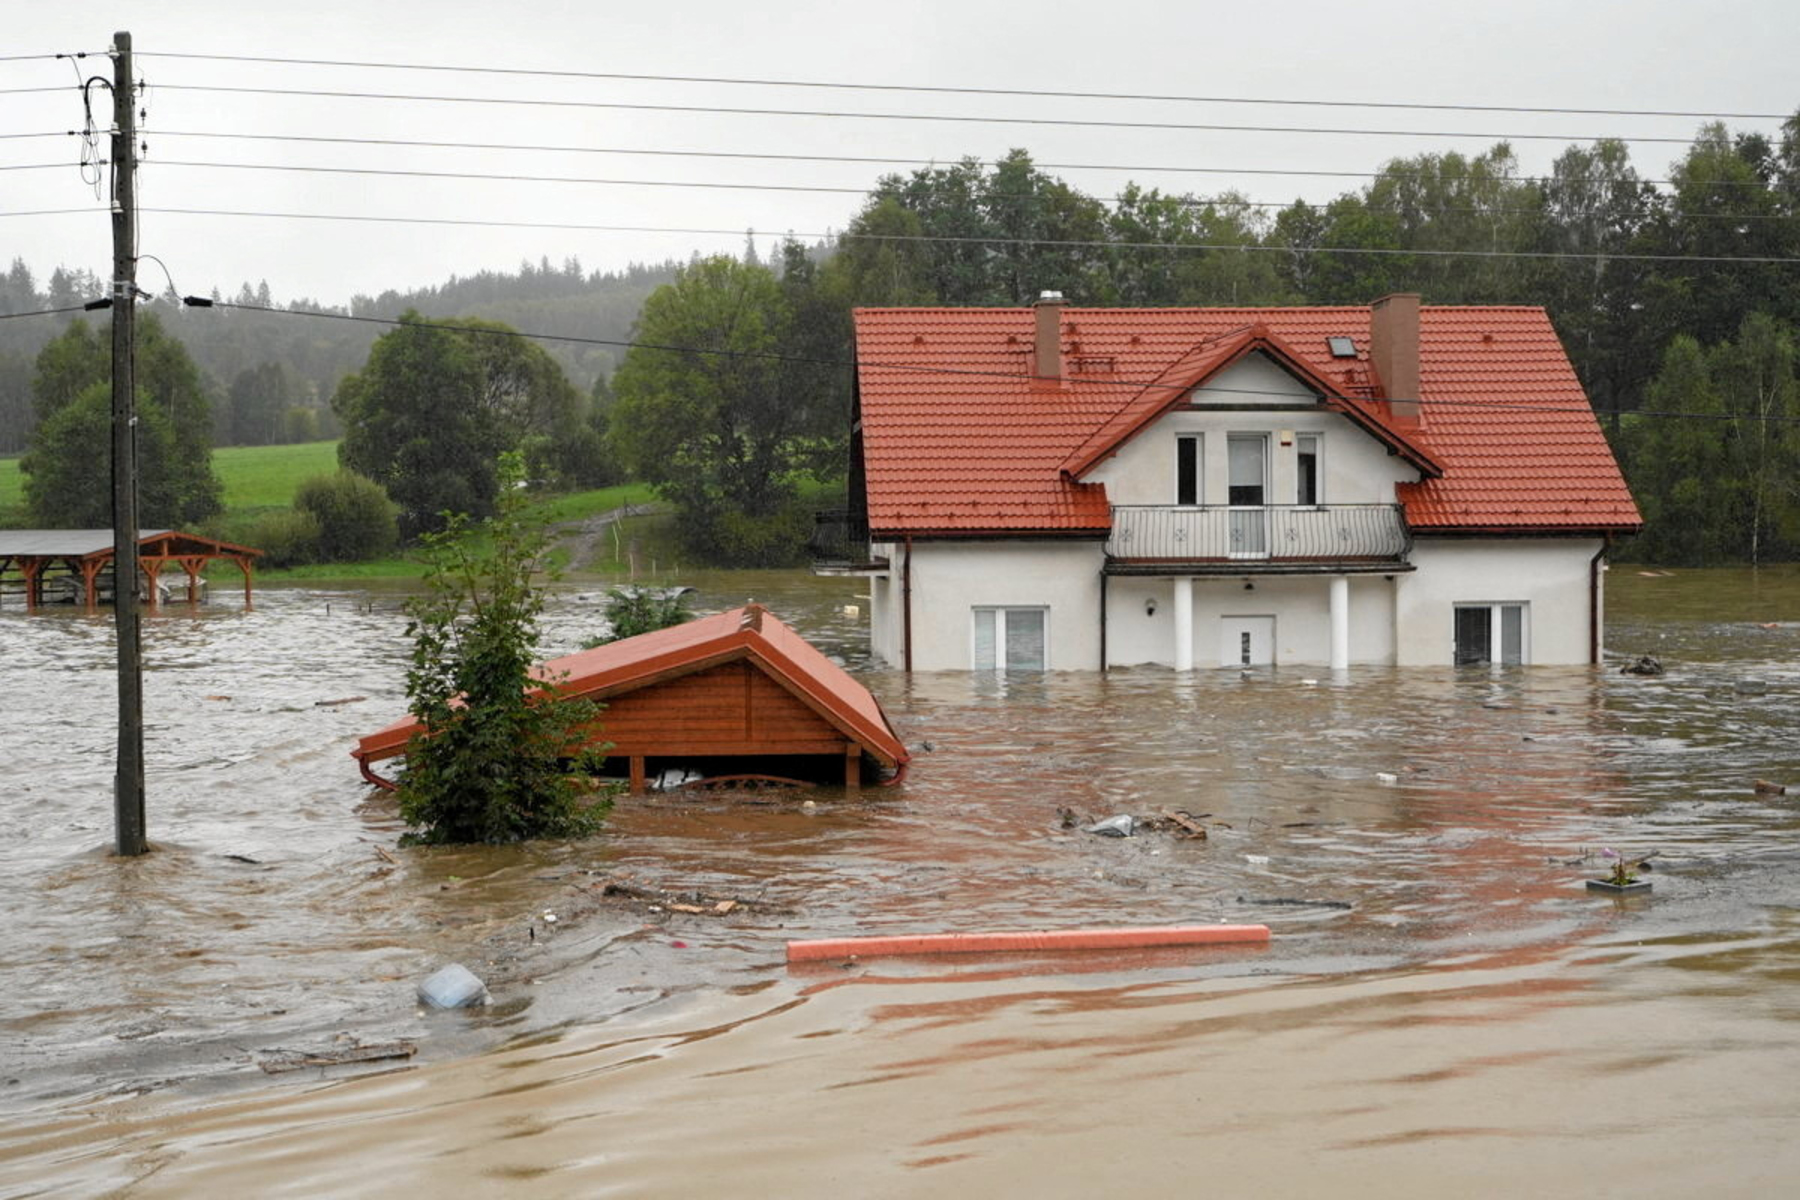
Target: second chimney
[1047, 360]
[1394, 351]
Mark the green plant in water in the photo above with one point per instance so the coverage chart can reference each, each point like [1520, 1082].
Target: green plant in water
[495, 760]
[630, 611]
[1622, 874]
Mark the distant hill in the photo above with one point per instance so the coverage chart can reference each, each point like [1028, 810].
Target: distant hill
[540, 298]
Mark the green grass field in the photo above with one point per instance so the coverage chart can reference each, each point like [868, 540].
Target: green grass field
[266, 476]
[263, 479]
[256, 478]
[12, 494]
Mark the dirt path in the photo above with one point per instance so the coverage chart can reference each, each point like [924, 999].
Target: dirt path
[585, 539]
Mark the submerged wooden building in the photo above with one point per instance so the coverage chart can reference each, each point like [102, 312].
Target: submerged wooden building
[727, 696]
[76, 564]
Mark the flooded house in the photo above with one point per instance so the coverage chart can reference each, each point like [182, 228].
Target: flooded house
[1075, 488]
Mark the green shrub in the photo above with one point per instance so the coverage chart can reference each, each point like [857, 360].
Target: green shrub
[633, 610]
[286, 538]
[489, 763]
[355, 517]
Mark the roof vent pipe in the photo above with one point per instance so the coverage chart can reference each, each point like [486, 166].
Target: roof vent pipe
[1046, 359]
[1394, 351]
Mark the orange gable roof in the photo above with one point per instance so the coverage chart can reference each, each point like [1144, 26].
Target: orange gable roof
[751, 632]
[958, 439]
[1208, 359]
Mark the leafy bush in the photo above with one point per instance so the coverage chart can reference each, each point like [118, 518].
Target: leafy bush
[286, 538]
[356, 520]
[498, 757]
[630, 611]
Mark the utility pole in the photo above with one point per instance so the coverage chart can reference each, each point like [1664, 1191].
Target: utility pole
[128, 783]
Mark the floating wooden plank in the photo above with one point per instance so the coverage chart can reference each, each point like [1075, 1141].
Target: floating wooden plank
[296, 1060]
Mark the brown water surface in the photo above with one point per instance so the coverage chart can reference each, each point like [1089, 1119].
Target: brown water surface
[1442, 1002]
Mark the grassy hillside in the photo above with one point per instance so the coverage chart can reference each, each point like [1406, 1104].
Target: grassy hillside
[256, 478]
[263, 479]
[12, 494]
[266, 476]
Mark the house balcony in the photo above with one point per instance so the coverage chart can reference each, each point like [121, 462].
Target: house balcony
[839, 544]
[1280, 539]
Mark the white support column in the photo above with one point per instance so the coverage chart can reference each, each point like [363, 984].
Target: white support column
[1184, 624]
[1340, 622]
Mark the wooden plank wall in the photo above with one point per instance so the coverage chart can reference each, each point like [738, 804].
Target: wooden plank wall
[730, 709]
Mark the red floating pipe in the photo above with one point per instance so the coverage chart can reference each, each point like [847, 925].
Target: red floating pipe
[1042, 939]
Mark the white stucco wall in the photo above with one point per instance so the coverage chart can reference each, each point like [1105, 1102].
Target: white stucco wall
[884, 606]
[950, 579]
[1549, 575]
[1300, 605]
[1407, 620]
[1357, 468]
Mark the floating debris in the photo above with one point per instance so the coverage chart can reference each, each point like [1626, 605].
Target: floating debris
[295, 1060]
[1645, 665]
[1765, 788]
[1121, 826]
[1295, 902]
[693, 903]
[453, 986]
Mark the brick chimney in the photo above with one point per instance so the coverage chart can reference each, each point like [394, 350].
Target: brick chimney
[1394, 351]
[1047, 359]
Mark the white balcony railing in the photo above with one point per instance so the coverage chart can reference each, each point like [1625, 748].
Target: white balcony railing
[1323, 534]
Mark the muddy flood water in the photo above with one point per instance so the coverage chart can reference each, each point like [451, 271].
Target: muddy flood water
[1442, 1005]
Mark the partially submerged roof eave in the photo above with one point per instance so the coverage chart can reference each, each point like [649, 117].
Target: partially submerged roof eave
[741, 642]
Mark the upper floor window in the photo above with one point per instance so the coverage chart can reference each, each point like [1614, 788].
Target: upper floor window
[1187, 469]
[1309, 469]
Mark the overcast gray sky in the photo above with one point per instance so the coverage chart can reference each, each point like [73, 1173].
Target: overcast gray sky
[1729, 56]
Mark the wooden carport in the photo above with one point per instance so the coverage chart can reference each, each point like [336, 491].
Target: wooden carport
[739, 687]
[29, 556]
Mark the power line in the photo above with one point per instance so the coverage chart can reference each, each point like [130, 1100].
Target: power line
[1035, 93]
[844, 236]
[873, 116]
[854, 364]
[53, 55]
[827, 189]
[873, 160]
[1067, 243]
[505, 178]
[46, 312]
[25, 90]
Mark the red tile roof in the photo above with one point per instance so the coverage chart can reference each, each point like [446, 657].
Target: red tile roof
[750, 632]
[959, 439]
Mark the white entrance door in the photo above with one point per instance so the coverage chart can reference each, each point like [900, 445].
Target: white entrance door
[1246, 641]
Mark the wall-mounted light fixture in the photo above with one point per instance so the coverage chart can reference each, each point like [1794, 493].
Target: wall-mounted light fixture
[1150, 606]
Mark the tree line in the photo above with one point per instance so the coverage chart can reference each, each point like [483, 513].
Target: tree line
[734, 400]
